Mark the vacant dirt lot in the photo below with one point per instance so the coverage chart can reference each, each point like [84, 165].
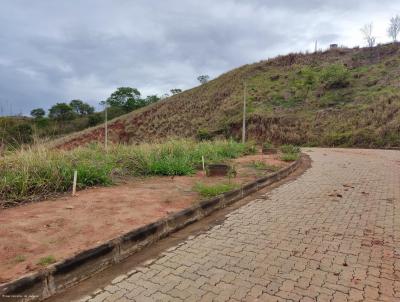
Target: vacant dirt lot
[64, 226]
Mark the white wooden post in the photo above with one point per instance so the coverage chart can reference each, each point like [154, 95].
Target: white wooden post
[74, 183]
[202, 160]
[105, 128]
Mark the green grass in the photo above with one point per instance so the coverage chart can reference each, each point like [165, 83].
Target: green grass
[214, 190]
[46, 260]
[260, 165]
[290, 149]
[39, 172]
[290, 156]
[290, 152]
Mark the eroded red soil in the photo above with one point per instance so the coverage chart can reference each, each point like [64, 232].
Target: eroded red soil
[67, 225]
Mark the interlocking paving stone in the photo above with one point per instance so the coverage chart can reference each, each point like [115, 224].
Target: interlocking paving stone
[333, 234]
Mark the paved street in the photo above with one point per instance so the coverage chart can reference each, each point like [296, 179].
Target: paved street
[331, 235]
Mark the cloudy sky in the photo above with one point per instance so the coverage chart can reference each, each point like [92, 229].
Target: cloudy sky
[57, 50]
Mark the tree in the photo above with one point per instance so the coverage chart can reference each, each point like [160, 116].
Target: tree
[367, 32]
[150, 99]
[394, 28]
[62, 112]
[203, 79]
[127, 98]
[95, 119]
[81, 108]
[38, 113]
[175, 91]
[21, 134]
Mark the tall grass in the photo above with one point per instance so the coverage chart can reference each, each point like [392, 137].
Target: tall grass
[290, 152]
[39, 172]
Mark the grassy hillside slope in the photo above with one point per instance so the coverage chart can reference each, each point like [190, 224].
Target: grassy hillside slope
[340, 97]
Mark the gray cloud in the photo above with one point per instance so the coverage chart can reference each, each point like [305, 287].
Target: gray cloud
[55, 51]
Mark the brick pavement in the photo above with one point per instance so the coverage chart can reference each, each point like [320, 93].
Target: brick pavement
[331, 235]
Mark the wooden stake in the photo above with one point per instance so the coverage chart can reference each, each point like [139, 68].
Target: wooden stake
[244, 114]
[105, 128]
[204, 166]
[74, 183]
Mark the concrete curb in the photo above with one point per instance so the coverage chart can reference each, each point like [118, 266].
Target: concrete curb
[59, 276]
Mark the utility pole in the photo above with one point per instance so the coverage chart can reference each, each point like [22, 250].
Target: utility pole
[316, 46]
[244, 114]
[105, 127]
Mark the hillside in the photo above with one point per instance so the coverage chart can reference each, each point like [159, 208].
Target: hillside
[339, 97]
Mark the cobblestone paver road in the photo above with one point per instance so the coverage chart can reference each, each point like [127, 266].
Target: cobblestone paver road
[331, 235]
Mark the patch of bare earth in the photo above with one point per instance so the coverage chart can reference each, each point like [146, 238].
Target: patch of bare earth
[68, 225]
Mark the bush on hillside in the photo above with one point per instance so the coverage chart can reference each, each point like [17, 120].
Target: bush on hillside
[335, 76]
[20, 134]
[203, 135]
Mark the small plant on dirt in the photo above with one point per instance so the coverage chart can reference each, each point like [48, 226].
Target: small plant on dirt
[46, 260]
[214, 190]
[267, 146]
[290, 152]
[260, 165]
[289, 156]
[290, 149]
[19, 258]
[251, 148]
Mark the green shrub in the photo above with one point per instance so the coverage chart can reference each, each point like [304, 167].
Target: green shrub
[302, 83]
[335, 76]
[268, 145]
[289, 156]
[289, 152]
[46, 260]
[21, 134]
[214, 190]
[95, 119]
[42, 122]
[290, 149]
[203, 135]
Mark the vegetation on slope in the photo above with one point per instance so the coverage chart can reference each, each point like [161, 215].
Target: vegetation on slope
[64, 118]
[39, 172]
[340, 97]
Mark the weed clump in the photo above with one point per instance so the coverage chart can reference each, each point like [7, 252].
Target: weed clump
[260, 165]
[39, 172]
[46, 260]
[214, 190]
[290, 152]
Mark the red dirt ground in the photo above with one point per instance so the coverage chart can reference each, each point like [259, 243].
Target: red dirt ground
[67, 225]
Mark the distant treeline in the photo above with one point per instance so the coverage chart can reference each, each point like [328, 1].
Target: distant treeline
[66, 117]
